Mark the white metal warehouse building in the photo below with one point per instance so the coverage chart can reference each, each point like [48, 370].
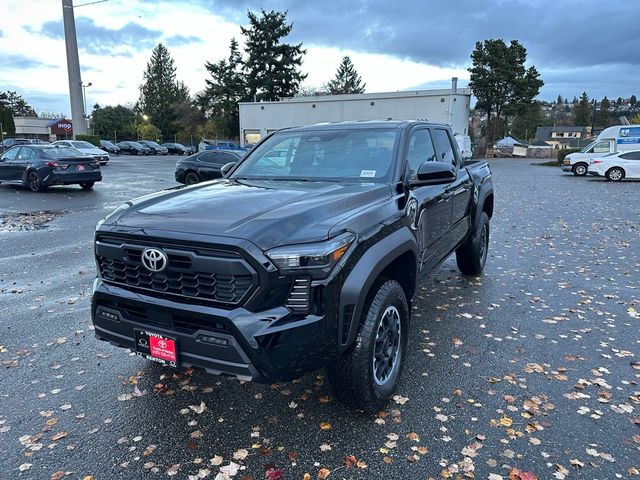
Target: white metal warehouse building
[450, 106]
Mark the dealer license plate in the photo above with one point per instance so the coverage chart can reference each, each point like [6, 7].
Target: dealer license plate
[80, 168]
[156, 347]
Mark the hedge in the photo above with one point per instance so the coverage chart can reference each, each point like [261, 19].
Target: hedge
[95, 139]
[566, 151]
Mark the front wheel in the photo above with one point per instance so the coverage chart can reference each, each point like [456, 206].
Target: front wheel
[471, 256]
[366, 375]
[34, 182]
[579, 169]
[87, 185]
[615, 174]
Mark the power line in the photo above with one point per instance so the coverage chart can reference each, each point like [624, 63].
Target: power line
[90, 3]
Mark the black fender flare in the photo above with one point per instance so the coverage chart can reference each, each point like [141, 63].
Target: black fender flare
[358, 283]
[479, 205]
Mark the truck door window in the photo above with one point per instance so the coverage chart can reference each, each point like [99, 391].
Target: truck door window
[601, 147]
[420, 150]
[443, 146]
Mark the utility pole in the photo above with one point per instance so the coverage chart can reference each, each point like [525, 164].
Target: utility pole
[73, 69]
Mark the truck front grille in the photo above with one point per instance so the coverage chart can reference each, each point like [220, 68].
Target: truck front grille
[222, 277]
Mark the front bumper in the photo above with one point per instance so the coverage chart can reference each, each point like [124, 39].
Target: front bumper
[265, 346]
[567, 168]
[180, 176]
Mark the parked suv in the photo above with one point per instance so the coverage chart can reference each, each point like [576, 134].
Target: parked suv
[297, 262]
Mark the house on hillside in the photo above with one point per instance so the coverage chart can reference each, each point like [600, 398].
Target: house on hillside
[563, 136]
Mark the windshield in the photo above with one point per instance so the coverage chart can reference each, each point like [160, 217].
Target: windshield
[588, 147]
[153, 144]
[61, 152]
[106, 143]
[325, 154]
[137, 145]
[82, 145]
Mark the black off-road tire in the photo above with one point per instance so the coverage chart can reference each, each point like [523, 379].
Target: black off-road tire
[471, 256]
[191, 178]
[615, 174]
[352, 377]
[580, 169]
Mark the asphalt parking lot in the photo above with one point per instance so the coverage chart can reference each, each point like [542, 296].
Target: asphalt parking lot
[532, 368]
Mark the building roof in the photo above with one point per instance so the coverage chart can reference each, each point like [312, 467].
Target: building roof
[562, 128]
[539, 143]
[368, 96]
[543, 133]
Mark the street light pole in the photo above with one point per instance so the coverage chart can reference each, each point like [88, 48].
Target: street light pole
[73, 68]
[84, 103]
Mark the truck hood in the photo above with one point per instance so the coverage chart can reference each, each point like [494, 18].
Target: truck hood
[267, 213]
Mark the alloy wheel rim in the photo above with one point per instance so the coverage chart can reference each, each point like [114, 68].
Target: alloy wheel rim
[34, 181]
[580, 169]
[615, 174]
[387, 346]
[484, 242]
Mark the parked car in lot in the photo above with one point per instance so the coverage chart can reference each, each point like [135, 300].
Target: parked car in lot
[176, 148]
[619, 138]
[156, 148]
[133, 148]
[204, 165]
[85, 148]
[284, 267]
[207, 144]
[616, 166]
[109, 147]
[7, 143]
[41, 166]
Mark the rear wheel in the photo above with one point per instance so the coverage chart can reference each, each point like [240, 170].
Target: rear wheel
[471, 256]
[366, 375]
[87, 185]
[615, 174]
[34, 182]
[580, 169]
[191, 178]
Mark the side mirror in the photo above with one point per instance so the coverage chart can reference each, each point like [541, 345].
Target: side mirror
[226, 168]
[435, 173]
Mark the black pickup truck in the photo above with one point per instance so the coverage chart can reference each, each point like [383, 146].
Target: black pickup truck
[306, 255]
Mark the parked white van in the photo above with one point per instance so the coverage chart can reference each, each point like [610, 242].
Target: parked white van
[619, 138]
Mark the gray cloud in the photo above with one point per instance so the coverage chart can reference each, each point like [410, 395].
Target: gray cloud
[98, 40]
[564, 41]
[180, 40]
[12, 61]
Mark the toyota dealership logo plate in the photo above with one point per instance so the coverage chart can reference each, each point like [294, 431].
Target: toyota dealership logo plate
[156, 347]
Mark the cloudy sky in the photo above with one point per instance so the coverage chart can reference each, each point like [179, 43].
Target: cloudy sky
[575, 44]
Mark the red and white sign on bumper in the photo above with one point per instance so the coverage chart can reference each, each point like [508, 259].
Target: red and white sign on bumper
[162, 348]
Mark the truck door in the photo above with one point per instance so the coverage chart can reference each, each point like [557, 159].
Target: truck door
[460, 190]
[433, 209]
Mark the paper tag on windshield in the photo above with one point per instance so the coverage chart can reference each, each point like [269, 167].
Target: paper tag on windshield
[368, 173]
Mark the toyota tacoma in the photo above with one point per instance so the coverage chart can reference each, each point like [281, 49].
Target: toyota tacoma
[306, 255]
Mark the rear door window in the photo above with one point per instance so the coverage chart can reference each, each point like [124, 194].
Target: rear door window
[209, 157]
[444, 149]
[26, 154]
[227, 158]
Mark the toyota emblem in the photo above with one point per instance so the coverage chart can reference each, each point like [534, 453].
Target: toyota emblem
[154, 260]
[162, 344]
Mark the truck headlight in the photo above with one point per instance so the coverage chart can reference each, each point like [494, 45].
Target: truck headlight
[316, 259]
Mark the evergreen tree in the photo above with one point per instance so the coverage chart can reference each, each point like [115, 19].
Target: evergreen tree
[272, 67]
[16, 104]
[524, 125]
[582, 111]
[6, 118]
[603, 116]
[226, 87]
[559, 100]
[114, 123]
[346, 80]
[159, 91]
[501, 82]
[633, 100]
